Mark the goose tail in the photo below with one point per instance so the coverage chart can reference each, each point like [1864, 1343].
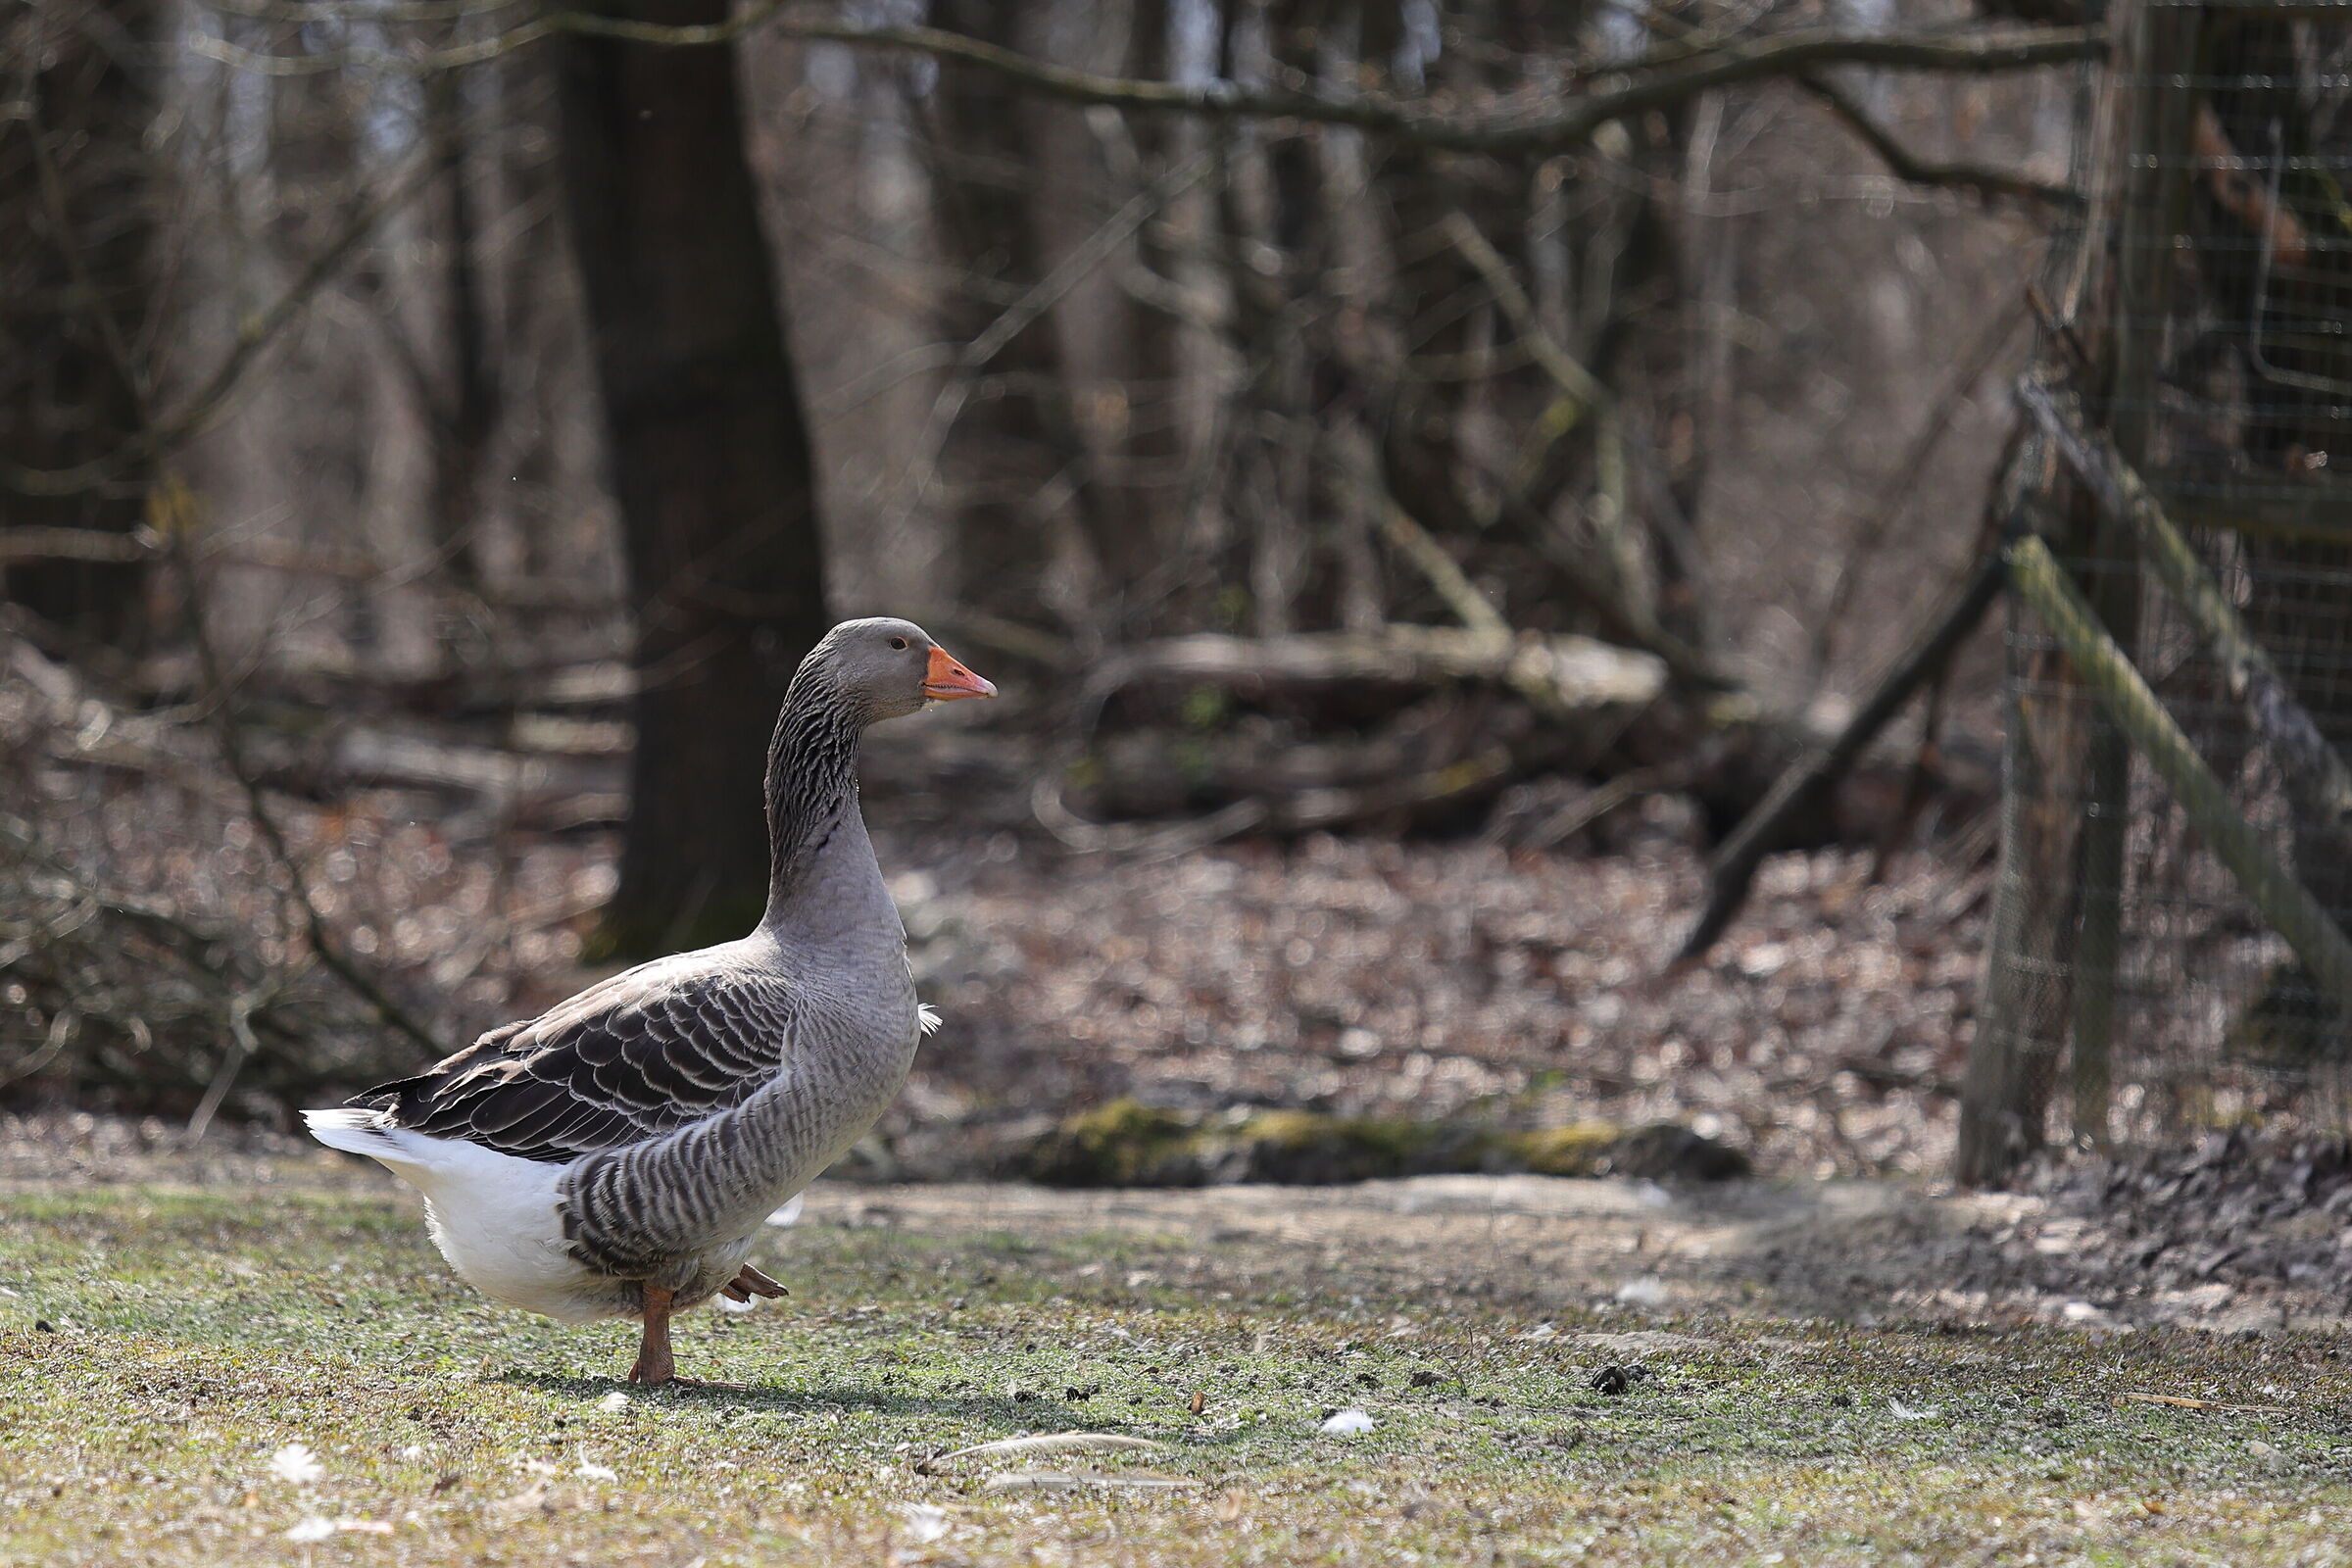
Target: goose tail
[355, 1131]
[358, 1130]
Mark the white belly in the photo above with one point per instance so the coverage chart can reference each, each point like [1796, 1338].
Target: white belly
[494, 1216]
[509, 1245]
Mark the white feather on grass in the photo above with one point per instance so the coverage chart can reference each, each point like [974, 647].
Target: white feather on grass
[314, 1528]
[296, 1463]
[926, 1522]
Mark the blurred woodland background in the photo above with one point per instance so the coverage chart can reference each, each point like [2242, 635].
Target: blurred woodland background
[1419, 470]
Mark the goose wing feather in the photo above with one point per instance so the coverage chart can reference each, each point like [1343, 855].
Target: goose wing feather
[633, 1057]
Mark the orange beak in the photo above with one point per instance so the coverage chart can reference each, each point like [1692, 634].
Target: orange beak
[946, 680]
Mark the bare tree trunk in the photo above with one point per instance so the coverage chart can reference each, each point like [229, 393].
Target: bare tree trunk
[74, 291]
[1012, 438]
[710, 463]
[1137, 512]
[463, 406]
[2050, 955]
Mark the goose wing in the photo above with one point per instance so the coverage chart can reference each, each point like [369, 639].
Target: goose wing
[635, 1057]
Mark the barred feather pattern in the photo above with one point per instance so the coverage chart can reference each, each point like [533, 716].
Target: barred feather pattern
[689, 1096]
[654, 1211]
[811, 775]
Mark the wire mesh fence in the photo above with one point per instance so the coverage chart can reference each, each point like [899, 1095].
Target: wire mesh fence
[2137, 991]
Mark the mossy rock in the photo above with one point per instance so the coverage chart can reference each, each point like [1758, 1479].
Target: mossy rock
[1666, 1152]
[1128, 1144]
[1580, 1149]
[1123, 1142]
[1304, 1148]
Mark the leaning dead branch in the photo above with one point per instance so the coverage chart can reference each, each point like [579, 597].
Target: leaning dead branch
[1735, 866]
[123, 992]
[2313, 773]
[111, 990]
[2272, 888]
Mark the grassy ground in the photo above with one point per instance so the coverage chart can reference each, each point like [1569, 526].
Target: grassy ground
[159, 1344]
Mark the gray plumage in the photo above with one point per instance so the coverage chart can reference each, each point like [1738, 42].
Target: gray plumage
[677, 1105]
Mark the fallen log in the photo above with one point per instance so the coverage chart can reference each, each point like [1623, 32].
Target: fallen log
[1298, 808]
[1574, 675]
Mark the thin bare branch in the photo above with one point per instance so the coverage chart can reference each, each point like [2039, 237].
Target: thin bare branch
[254, 334]
[1549, 356]
[1534, 125]
[307, 13]
[323, 944]
[74, 543]
[1616, 597]
[1907, 165]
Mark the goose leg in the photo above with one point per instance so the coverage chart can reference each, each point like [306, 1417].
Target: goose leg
[654, 1364]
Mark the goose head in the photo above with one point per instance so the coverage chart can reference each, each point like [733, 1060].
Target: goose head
[884, 668]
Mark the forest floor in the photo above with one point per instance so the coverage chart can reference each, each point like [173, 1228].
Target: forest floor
[1788, 1384]
[1371, 978]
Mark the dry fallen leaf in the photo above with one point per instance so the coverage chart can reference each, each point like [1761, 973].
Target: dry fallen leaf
[2183, 1402]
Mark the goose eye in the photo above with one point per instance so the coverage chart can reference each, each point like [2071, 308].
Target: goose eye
[897, 642]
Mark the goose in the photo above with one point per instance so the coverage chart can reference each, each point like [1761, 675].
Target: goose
[615, 1156]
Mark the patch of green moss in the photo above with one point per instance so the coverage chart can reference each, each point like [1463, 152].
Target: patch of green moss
[1580, 1149]
[1311, 1147]
[1128, 1144]
[1120, 1143]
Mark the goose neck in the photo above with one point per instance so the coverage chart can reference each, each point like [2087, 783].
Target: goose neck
[811, 788]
